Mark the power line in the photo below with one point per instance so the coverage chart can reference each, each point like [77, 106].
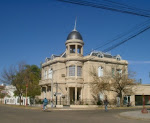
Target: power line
[127, 39]
[124, 34]
[127, 6]
[108, 7]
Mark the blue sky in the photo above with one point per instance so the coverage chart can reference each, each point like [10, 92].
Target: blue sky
[31, 30]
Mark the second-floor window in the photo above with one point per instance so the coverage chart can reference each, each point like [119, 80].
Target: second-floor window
[45, 74]
[72, 70]
[119, 71]
[79, 71]
[50, 74]
[100, 71]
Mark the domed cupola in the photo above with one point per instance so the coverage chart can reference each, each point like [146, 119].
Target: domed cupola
[74, 43]
[74, 35]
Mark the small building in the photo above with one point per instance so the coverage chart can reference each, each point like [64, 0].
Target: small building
[141, 94]
[2, 87]
[10, 98]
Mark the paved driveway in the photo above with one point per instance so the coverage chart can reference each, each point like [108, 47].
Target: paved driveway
[20, 115]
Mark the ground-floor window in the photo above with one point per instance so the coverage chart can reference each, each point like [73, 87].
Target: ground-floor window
[126, 100]
[139, 100]
[44, 89]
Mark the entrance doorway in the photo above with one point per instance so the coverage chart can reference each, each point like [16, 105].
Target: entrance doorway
[75, 97]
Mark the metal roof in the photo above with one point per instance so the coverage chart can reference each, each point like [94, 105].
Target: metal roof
[74, 35]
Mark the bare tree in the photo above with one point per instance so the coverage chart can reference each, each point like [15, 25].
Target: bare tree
[122, 83]
[98, 84]
[119, 82]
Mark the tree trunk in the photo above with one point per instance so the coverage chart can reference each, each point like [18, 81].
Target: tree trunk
[121, 100]
[20, 100]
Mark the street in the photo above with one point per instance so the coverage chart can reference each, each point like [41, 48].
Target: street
[20, 115]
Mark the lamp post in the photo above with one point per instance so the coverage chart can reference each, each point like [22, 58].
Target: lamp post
[26, 93]
[52, 89]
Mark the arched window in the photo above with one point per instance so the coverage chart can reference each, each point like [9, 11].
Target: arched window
[100, 55]
[118, 57]
[100, 71]
[119, 71]
[45, 74]
[50, 74]
[72, 48]
[72, 70]
[79, 49]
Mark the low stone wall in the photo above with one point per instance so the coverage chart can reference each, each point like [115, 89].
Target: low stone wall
[72, 106]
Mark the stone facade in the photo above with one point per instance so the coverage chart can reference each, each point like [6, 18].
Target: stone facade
[68, 75]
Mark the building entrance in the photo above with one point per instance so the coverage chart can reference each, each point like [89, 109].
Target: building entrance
[75, 96]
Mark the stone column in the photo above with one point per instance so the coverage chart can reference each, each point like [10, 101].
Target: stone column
[41, 92]
[68, 49]
[45, 92]
[76, 48]
[81, 93]
[82, 50]
[75, 95]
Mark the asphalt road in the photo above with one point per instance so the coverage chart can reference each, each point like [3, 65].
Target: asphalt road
[21, 115]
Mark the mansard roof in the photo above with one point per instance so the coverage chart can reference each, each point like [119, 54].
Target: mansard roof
[99, 54]
[55, 56]
[106, 55]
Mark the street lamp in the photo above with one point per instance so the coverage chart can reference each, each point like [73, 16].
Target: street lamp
[52, 72]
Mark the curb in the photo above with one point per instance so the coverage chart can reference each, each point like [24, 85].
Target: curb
[130, 115]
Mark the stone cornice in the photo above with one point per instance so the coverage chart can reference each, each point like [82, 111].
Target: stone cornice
[74, 41]
[85, 59]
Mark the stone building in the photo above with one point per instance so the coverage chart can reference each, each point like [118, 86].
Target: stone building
[66, 77]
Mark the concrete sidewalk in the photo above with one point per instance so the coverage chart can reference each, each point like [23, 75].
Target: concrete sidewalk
[136, 115]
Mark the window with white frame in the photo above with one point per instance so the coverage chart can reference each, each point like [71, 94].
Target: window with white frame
[72, 70]
[50, 74]
[45, 74]
[119, 71]
[79, 71]
[100, 71]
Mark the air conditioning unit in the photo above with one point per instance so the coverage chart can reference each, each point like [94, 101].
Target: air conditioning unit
[62, 75]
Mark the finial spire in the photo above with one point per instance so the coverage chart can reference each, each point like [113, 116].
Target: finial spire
[75, 25]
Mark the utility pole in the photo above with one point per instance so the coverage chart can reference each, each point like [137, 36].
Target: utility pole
[26, 93]
[149, 77]
[56, 92]
[52, 89]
